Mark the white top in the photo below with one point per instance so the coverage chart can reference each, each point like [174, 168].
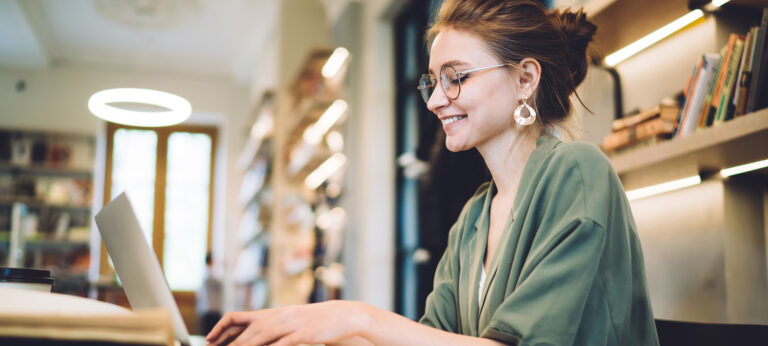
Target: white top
[480, 284]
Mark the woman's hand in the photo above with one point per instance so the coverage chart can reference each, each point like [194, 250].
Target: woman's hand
[318, 323]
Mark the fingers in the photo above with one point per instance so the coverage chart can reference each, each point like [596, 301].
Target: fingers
[223, 323]
[227, 335]
[258, 334]
[242, 318]
[288, 340]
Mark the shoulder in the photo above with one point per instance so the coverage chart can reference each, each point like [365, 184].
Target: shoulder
[581, 177]
[583, 155]
[583, 163]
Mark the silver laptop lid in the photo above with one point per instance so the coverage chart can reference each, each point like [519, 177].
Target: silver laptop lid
[135, 262]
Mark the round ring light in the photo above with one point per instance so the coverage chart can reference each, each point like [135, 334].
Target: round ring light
[179, 108]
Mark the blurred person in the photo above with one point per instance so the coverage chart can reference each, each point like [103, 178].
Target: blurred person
[209, 298]
[547, 252]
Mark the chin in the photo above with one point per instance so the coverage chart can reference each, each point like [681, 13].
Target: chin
[454, 147]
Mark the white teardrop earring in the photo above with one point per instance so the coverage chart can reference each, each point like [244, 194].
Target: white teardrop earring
[525, 120]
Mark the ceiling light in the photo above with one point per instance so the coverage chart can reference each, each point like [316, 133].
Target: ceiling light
[635, 47]
[727, 172]
[664, 187]
[335, 62]
[179, 108]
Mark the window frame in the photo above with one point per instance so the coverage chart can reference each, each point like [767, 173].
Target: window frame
[158, 223]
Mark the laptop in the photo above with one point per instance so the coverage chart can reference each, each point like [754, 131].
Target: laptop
[136, 264]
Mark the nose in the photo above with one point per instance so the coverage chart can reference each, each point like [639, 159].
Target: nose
[437, 100]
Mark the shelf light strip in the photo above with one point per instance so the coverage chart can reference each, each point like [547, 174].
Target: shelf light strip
[648, 40]
[664, 187]
[727, 172]
[635, 47]
[325, 171]
[335, 62]
[315, 132]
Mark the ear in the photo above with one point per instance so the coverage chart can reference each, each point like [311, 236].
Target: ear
[530, 73]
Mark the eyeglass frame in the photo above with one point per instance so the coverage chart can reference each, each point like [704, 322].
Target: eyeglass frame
[459, 74]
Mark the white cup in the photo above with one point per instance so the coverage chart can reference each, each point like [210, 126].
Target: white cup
[26, 279]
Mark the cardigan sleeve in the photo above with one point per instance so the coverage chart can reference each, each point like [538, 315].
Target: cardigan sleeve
[549, 301]
[441, 307]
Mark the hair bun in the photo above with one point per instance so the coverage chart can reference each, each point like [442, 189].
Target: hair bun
[577, 33]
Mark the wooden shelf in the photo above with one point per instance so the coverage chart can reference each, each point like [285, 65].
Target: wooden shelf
[36, 202]
[735, 142]
[46, 170]
[47, 245]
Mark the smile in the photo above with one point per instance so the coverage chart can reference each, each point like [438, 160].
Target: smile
[447, 121]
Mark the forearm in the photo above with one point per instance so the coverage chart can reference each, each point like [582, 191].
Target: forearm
[387, 328]
[353, 341]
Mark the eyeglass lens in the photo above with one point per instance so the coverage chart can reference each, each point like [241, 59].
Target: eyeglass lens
[449, 82]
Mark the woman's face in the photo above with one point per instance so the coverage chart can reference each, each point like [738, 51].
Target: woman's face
[482, 114]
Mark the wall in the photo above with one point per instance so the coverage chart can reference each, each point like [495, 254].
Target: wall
[706, 262]
[373, 186]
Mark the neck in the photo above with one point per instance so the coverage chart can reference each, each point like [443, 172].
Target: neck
[506, 158]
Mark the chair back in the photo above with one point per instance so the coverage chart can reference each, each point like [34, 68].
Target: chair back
[710, 334]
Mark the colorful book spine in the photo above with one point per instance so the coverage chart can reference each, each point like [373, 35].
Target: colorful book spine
[745, 73]
[696, 99]
[759, 68]
[724, 111]
[704, 119]
[715, 102]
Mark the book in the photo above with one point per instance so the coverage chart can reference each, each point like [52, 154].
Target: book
[704, 119]
[666, 110]
[643, 130]
[757, 98]
[726, 59]
[642, 143]
[745, 75]
[724, 110]
[689, 119]
[687, 92]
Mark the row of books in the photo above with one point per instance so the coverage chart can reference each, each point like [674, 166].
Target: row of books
[727, 84]
[722, 86]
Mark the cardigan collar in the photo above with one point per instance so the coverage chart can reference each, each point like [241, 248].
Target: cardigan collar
[544, 146]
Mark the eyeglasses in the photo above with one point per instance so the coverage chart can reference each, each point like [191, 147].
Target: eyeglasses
[450, 81]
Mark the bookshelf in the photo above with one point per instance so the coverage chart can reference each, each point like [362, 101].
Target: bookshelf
[46, 183]
[306, 225]
[255, 202]
[735, 142]
[704, 246]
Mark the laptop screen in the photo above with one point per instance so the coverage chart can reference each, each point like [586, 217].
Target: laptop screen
[135, 262]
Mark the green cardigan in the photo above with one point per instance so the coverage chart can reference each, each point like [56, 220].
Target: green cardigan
[568, 269]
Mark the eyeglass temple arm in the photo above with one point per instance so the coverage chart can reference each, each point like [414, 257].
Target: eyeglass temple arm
[479, 69]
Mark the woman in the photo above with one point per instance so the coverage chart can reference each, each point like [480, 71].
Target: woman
[547, 252]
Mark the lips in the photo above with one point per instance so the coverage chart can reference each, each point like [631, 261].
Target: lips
[452, 119]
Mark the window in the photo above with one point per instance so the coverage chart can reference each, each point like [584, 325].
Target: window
[168, 176]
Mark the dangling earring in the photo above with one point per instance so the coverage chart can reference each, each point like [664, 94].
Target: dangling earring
[519, 118]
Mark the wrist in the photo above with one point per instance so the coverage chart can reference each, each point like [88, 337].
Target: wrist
[365, 318]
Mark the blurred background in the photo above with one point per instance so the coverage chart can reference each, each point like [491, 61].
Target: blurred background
[310, 169]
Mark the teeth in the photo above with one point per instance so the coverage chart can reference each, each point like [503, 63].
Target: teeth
[447, 121]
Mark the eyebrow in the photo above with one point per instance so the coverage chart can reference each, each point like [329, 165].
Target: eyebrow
[449, 63]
